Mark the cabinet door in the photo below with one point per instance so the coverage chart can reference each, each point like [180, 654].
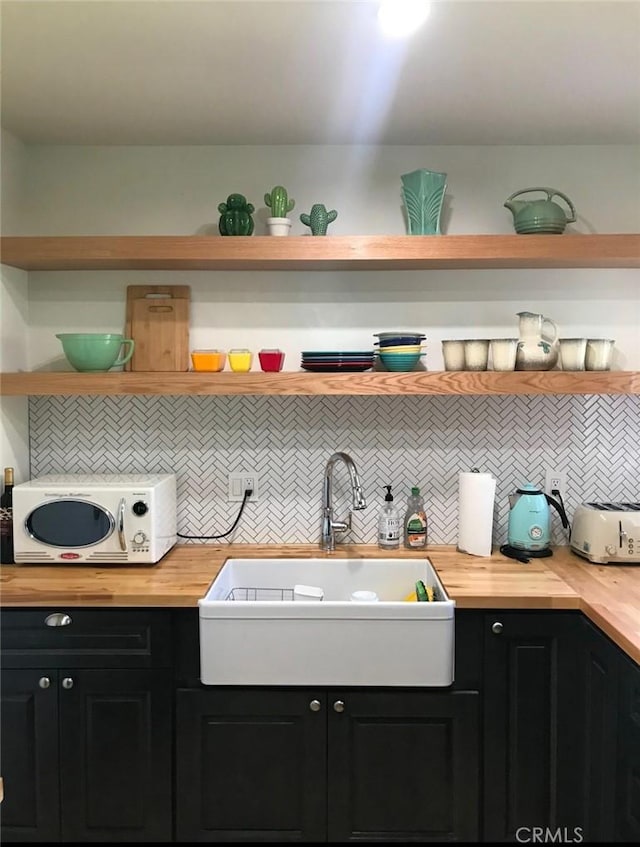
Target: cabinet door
[628, 799]
[403, 765]
[532, 723]
[251, 765]
[600, 661]
[29, 756]
[115, 755]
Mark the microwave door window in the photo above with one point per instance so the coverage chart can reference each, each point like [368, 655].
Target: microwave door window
[70, 523]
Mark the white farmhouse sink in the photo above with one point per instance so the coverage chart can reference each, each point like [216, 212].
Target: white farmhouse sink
[252, 631]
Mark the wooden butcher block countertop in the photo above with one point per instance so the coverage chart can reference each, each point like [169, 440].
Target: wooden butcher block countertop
[608, 595]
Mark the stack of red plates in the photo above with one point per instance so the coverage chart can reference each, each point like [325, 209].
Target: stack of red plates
[325, 361]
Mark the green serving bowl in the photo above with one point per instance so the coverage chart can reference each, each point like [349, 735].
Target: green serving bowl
[93, 352]
[400, 361]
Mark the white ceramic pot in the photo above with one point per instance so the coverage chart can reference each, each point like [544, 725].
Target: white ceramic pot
[278, 226]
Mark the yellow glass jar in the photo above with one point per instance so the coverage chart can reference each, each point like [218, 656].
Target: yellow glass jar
[208, 360]
[240, 359]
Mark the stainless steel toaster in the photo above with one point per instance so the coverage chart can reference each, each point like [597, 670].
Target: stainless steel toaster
[607, 532]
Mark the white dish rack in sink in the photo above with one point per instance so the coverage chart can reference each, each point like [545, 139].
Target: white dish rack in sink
[254, 631]
[251, 594]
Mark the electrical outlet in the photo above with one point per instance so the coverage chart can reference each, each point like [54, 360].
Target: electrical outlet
[239, 482]
[555, 481]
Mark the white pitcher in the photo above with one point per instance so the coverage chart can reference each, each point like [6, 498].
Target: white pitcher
[538, 345]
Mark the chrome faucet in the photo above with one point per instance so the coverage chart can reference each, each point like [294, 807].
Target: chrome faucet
[329, 526]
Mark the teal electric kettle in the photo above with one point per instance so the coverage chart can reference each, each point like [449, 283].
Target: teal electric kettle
[531, 216]
[530, 521]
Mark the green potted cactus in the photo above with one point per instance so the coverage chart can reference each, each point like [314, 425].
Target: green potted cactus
[280, 204]
[318, 219]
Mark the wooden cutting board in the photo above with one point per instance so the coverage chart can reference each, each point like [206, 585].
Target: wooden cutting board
[157, 319]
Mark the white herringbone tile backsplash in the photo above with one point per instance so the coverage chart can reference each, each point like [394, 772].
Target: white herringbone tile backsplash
[402, 441]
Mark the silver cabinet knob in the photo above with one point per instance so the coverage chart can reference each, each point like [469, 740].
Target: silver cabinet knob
[338, 706]
[496, 628]
[44, 682]
[315, 705]
[67, 682]
[57, 619]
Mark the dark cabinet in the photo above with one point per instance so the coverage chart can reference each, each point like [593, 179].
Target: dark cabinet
[337, 765]
[609, 757]
[86, 751]
[29, 756]
[596, 759]
[403, 765]
[628, 794]
[115, 756]
[532, 695]
[540, 729]
[250, 765]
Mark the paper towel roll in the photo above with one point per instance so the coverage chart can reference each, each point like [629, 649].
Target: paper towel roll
[476, 494]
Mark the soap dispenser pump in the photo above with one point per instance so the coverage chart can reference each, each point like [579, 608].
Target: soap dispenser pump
[389, 524]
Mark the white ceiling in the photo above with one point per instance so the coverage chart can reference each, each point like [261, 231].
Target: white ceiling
[319, 72]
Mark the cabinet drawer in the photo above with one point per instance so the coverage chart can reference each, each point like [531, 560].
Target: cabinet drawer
[85, 637]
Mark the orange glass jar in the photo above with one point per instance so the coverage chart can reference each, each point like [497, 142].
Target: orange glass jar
[208, 360]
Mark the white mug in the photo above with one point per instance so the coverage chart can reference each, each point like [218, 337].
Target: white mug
[572, 353]
[453, 354]
[503, 353]
[476, 354]
[599, 354]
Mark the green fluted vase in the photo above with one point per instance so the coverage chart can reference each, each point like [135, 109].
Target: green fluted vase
[423, 194]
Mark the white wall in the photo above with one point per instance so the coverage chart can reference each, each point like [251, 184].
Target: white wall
[176, 190]
[14, 425]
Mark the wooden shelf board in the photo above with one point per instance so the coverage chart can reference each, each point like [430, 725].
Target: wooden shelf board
[360, 252]
[306, 384]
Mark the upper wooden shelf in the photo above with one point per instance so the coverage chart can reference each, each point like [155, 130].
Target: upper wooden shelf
[302, 383]
[358, 252]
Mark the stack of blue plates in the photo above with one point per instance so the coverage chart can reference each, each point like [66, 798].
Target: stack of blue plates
[326, 361]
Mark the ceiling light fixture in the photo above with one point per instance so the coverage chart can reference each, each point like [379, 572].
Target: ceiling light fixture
[399, 18]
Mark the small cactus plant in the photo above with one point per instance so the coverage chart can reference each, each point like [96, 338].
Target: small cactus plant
[278, 201]
[318, 219]
[235, 216]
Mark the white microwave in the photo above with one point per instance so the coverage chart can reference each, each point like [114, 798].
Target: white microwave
[94, 518]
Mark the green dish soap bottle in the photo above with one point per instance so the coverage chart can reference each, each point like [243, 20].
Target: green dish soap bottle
[415, 521]
[389, 524]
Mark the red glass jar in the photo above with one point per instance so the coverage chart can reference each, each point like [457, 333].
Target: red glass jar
[271, 360]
